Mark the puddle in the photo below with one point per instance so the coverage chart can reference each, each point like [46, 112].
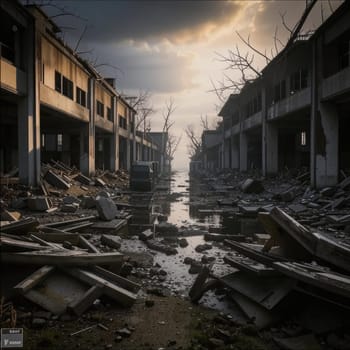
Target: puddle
[183, 206]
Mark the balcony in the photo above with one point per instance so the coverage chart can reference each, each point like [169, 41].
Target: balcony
[336, 84]
[253, 121]
[53, 99]
[104, 124]
[12, 78]
[293, 103]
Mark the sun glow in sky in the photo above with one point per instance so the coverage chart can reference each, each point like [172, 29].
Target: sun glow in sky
[170, 48]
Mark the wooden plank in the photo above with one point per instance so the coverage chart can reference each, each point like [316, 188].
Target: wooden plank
[320, 280]
[264, 258]
[196, 290]
[58, 236]
[73, 221]
[121, 295]
[117, 279]
[45, 243]
[35, 278]
[257, 314]
[63, 257]
[56, 292]
[266, 291]
[84, 243]
[17, 245]
[332, 251]
[21, 227]
[300, 233]
[79, 306]
[250, 266]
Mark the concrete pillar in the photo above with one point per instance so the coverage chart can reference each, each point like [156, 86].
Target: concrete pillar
[243, 151]
[114, 144]
[29, 115]
[227, 153]
[269, 148]
[325, 133]
[234, 153]
[128, 154]
[324, 128]
[87, 135]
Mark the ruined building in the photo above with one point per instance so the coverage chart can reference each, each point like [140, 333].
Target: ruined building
[55, 105]
[297, 113]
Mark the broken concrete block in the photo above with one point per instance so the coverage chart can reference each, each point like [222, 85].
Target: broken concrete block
[106, 208]
[38, 203]
[252, 186]
[88, 202]
[56, 181]
[70, 200]
[328, 191]
[202, 247]
[19, 203]
[166, 228]
[69, 208]
[145, 235]
[111, 241]
[183, 243]
[195, 268]
[83, 179]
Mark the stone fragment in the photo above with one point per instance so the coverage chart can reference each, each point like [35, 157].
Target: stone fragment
[111, 241]
[252, 186]
[145, 235]
[183, 243]
[38, 203]
[124, 332]
[69, 208]
[70, 200]
[106, 208]
[88, 202]
[202, 247]
[195, 268]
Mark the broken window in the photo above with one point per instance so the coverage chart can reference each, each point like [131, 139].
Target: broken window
[279, 91]
[81, 96]
[109, 114]
[67, 87]
[122, 122]
[100, 108]
[344, 53]
[298, 80]
[59, 142]
[58, 81]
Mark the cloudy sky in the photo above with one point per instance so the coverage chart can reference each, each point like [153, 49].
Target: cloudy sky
[170, 48]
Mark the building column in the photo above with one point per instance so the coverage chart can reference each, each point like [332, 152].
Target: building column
[324, 137]
[234, 153]
[114, 144]
[243, 151]
[29, 116]
[87, 136]
[227, 153]
[269, 148]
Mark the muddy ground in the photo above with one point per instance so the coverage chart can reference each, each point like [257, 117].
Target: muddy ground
[163, 317]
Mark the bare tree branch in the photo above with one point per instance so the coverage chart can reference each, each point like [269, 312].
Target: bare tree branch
[247, 42]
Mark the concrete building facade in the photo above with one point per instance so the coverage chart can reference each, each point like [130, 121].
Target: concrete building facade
[297, 113]
[55, 105]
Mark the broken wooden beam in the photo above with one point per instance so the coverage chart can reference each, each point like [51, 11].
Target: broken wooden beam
[79, 306]
[35, 278]
[121, 295]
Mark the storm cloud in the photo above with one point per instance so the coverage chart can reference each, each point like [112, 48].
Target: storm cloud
[114, 21]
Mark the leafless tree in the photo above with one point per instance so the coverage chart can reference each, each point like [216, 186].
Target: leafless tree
[172, 141]
[244, 63]
[144, 110]
[194, 145]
